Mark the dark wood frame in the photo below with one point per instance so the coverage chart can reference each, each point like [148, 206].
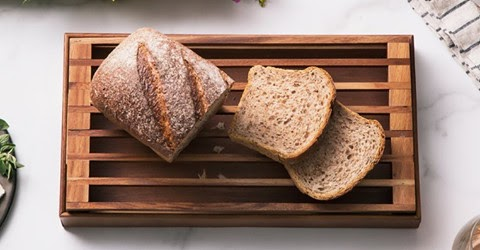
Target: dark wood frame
[404, 213]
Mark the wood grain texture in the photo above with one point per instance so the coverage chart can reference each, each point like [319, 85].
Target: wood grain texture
[401, 195]
[63, 153]
[191, 39]
[78, 144]
[239, 208]
[123, 183]
[76, 219]
[212, 157]
[244, 182]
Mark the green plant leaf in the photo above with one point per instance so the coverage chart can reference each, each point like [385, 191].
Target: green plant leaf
[7, 148]
[13, 160]
[8, 162]
[3, 167]
[3, 125]
[9, 170]
[4, 139]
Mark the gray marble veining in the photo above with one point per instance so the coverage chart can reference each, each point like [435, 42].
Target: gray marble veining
[31, 70]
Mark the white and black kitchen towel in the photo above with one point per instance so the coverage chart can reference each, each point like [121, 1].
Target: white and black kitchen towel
[457, 23]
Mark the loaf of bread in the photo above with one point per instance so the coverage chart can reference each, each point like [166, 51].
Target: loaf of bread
[348, 149]
[283, 112]
[158, 90]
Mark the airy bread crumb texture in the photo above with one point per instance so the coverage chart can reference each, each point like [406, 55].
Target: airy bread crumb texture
[347, 150]
[283, 112]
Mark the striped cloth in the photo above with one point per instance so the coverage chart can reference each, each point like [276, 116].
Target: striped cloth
[457, 23]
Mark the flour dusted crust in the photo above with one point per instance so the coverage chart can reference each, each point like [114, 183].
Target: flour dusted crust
[158, 90]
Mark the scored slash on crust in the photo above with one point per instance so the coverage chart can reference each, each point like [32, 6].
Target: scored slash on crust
[153, 91]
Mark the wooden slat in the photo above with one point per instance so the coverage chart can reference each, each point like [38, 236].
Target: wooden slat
[82, 109]
[244, 207]
[350, 85]
[205, 133]
[181, 158]
[263, 182]
[99, 133]
[226, 109]
[279, 62]
[230, 109]
[288, 39]
[78, 192]
[309, 62]
[398, 133]
[200, 157]
[125, 219]
[251, 39]
[240, 86]
[371, 85]
[401, 121]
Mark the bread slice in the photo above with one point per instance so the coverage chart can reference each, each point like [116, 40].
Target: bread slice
[283, 112]
[348, 149]
[158, 90]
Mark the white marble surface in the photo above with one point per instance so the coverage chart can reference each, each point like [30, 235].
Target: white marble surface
[31, 50]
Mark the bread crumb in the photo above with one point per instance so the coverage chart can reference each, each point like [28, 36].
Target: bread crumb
[218, 149]
[221, 176]
[220, 126]
[203, 175]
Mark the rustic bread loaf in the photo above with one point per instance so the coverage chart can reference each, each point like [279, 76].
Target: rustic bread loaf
[348, 149]
[158, 90]
[283, 112]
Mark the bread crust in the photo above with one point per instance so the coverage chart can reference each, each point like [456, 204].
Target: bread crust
[364, 170]
[154, 93]
[272, 152]
[148, 86]
[197, 92]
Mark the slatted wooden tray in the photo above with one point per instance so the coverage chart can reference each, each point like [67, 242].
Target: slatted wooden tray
[110, 179]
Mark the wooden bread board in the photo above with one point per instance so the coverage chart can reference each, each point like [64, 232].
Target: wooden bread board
[110, 179]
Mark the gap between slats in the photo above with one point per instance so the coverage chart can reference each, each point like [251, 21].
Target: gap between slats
[199, 157]
[236, 207]
[242, 182]
[367, 47]
[279, 62]
[239, 86]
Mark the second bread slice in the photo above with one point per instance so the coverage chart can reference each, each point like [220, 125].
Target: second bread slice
[347, 150]
[283, 112]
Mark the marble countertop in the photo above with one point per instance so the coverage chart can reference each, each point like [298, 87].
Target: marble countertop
[31, 59]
